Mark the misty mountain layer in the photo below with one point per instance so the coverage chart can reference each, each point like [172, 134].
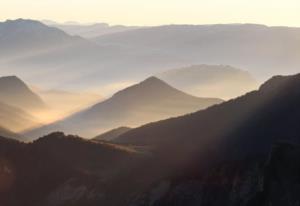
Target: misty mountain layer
[135, 54]
[148, 101]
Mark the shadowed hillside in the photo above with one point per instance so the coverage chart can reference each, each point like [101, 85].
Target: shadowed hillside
[39, 172]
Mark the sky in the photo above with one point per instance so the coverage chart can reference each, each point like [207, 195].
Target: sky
[156, 12]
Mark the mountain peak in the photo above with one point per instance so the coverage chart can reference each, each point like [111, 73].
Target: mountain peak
[152, 79]
[151, 85]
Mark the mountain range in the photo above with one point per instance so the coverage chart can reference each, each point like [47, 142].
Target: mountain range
[141, 52]
[257, 48]
[148, 101]
[241, 152]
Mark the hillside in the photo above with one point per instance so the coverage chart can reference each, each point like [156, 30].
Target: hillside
[148, 101]
[221, 81]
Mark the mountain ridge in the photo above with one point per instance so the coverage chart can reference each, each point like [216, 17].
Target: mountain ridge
[150, 100]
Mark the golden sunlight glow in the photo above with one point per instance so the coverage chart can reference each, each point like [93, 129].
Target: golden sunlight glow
[62, 104]
[144, 12]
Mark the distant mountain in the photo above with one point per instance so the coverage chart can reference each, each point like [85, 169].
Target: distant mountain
[16, 119]
[91, 30]
[211, 80]
[36, 52]
[257, 48]
[113, 134]
[148, 101]
[14, 92]
[140, 53]
[26, 37]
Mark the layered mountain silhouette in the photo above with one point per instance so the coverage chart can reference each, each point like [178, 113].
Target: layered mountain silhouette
[148, 101]
[241, 152]
[112, 135]
[256, 47]
[14, 92]
[211, 80]
[141, 52]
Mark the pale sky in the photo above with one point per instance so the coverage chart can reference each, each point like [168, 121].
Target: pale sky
[156, 12]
